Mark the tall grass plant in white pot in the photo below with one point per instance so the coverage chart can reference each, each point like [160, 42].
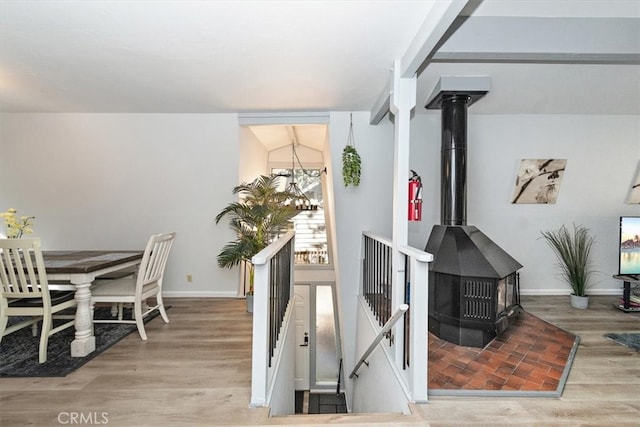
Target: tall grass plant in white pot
[573, 252]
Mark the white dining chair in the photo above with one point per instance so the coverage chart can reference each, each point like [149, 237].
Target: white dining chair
[136, 289]
[117, 307]
[24, 292]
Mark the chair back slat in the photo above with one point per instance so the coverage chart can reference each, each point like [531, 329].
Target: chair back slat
[155, 258]
[22, 271]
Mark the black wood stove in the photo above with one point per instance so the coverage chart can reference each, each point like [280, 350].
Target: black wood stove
[473, 283]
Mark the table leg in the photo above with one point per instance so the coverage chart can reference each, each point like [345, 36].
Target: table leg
[85, 341]
[626, 294]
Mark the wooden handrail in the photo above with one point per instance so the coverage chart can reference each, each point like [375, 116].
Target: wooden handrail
[396, 316]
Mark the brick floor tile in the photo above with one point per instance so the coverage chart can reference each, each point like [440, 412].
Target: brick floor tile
[530, 356]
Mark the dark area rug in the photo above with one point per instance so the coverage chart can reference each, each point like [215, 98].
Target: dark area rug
[627, 340]
[19, 350]
[531, 358]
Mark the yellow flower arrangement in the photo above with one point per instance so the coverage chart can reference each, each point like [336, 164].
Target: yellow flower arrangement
[16, 226]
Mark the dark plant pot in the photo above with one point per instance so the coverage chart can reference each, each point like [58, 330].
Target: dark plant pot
[579, 302]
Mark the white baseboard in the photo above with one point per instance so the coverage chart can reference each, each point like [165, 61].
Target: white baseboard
[551, 292]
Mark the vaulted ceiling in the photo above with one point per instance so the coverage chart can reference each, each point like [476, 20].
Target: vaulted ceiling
[101, 56]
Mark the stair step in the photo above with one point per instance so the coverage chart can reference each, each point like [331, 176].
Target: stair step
[351, 420]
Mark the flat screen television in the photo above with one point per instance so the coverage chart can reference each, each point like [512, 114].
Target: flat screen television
[629, 250]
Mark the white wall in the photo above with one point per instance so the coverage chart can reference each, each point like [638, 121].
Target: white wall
[254, 157]
[366, 207]
[281, 157]
[602, 155]
[282, 395]
[109, 181]
[379, 374]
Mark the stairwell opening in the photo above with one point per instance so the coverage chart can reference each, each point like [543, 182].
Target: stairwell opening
[320, 403]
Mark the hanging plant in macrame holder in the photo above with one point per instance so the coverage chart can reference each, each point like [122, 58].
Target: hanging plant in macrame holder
[351, 164]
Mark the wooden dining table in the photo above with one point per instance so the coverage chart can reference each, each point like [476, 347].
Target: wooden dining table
[76, 270]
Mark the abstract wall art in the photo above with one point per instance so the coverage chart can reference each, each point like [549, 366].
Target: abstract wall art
[538, 181]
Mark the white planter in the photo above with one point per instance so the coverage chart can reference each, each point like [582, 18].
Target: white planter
[249, 303]
[579, 302]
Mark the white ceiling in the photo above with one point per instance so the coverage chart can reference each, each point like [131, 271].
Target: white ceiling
[200, 56]
[213, 56]
[277, 136]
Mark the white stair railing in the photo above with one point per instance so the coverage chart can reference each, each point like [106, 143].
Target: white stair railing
[387, 326]
[388, 288]
[273, 291]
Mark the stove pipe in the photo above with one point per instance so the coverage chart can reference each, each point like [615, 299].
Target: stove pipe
[453, 166]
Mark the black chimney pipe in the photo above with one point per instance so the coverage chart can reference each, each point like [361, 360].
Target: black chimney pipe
[453, 167]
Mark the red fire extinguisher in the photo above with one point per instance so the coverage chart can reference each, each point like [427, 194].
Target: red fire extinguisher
[415, 197]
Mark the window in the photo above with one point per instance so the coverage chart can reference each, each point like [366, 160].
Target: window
[311, 231]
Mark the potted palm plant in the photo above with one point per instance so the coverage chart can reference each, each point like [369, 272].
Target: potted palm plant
[261, 215]
[573, 251]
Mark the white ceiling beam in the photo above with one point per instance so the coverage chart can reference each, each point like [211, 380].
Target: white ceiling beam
[433, 29]
[543, 40]
[381, 106]
[436, 25]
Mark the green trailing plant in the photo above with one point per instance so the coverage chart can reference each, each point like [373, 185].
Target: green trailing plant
[351, 166]
[351, 163]
[573, 251]
[262, 214]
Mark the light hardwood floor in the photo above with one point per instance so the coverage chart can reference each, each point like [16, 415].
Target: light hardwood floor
[195, 371]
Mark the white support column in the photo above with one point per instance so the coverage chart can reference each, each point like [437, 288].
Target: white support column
[419, 322]
[402, 101]
[259, 374]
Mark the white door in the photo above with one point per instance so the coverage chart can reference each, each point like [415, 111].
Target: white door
[302, 337]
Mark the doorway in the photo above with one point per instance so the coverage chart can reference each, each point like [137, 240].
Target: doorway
[317, 338]
[302, 337]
